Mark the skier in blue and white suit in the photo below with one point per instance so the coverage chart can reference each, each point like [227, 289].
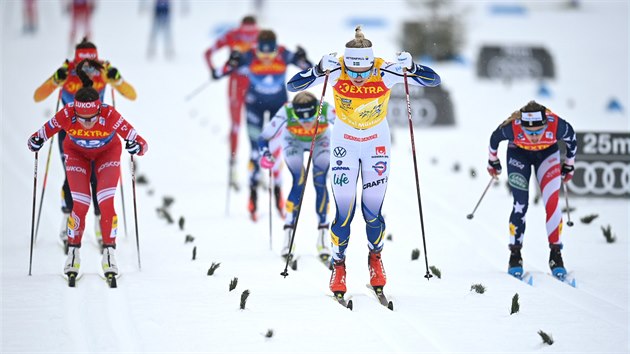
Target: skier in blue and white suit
[361, 141]
[294, 126]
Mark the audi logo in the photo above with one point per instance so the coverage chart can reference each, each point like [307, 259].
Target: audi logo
[601, 178]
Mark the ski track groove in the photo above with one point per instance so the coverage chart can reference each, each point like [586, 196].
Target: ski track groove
[119, 313]
[538, 274]
[570, 300]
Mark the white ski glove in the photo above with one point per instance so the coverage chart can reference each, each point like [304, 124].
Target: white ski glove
[329, 62]
[404, 59]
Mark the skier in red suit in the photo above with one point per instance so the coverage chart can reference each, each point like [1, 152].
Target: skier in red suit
[241, 39]
[91, 128]
[81, 12]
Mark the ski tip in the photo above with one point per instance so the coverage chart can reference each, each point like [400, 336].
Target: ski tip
[571, 282]
[390, 305]
[350, 306]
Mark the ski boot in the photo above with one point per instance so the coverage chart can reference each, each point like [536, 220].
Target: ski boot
[338, 278]
[288, 232]
[73, 262]
[555, 262]
[285, 253]
[277, 191]
[322, 244]
[515, 265]
[110, 267]
[253, 198]
[109, 261]
[377, 272]
[63, 232]
[233, 182]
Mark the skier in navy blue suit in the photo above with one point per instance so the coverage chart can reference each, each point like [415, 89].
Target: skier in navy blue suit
[533, 133]
[266, 67]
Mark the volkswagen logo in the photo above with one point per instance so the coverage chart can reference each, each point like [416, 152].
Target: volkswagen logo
[339, 152]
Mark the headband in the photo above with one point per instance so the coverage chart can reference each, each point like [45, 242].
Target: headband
[85, 53]
[533, 119]
[88, 109]
[358, 57]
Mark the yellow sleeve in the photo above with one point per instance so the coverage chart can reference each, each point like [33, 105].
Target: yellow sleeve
[123, 87]
[45, 90]
[126, 90]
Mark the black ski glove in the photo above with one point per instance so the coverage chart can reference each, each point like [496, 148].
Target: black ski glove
[113, 74]
[300, 54]
[235, 59]
[60, 75]
[494, 167]
[133, 147]
[566, 172]
[35, 143]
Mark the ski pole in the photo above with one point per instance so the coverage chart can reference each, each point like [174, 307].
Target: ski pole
[41, 198]
[30, 262]
[270, 205]
[122, 190]
[471, 215]
[415, 166]
[566, 199]
[308, 167]
[196, 91]
[135, 208]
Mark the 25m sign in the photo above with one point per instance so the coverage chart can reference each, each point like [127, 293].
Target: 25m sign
[602, 166]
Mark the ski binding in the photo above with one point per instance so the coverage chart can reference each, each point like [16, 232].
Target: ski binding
[342, 301]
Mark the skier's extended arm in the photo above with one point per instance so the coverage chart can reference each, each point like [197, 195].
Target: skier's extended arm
[55, 80]
[235, 61]
[58, 122]
[315, 75]
[135, 143]
[298, 58]
[567, 134]
[220, 43]
[418, 75]
[503, 132]
[116, 80]
[277, 123]
[273, 127]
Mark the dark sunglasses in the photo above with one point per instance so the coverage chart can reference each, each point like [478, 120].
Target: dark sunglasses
[356, 74]
[533, 132]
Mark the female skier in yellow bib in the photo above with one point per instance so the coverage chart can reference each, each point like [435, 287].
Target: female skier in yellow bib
[361, 141]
